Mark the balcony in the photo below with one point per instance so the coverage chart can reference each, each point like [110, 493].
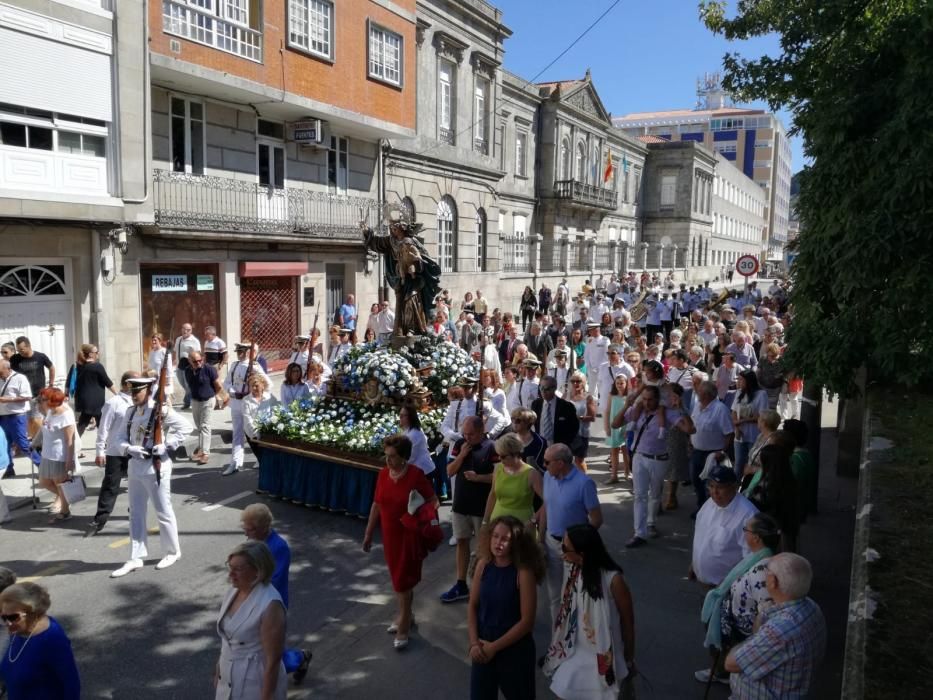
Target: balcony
[209, 203]
[205, 27]
[584, 194]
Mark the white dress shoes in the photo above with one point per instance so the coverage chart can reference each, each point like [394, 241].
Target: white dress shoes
[167, 561]
[230, 469]
[129, 566]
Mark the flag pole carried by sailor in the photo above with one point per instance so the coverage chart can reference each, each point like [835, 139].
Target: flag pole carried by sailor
[144, 483]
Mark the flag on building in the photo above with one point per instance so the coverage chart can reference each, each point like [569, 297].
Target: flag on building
[607, 173]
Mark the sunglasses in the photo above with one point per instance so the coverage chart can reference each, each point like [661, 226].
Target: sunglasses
[15, 617]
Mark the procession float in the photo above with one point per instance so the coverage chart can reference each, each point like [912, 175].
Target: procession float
[326, 451]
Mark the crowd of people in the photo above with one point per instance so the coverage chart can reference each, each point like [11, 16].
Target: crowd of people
[688, 386]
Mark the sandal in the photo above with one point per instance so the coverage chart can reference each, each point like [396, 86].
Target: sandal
[60, 518]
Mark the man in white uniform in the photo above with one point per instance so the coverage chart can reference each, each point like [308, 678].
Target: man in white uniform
[341, 349]
[525, 389]
[144, 483]
[595, 354]
[607, 373]
[237, 388]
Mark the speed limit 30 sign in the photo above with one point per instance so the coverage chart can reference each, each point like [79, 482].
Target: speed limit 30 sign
[747, 265]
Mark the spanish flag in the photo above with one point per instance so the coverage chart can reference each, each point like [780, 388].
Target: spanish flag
[607, 173]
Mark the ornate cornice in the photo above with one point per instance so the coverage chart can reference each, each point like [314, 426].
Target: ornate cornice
[449, 46]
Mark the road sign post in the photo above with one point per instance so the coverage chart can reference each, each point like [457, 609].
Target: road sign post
[746, 265]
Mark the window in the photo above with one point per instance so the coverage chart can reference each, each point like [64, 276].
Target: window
[580, 165]
[186, 136]
[519, 224]
[521, 153]
[565, 159]
[408, 209]
[311, 26]
[668, 190]
[270, 155]
[338, 157]
[44, 131]
[446, 234]
[236, 11]
[233, 26]
[480, 240]
[385, 55]
[480, 114]
[445, 101]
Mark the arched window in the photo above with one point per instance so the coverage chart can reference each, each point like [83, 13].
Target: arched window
[565, 159]
[580, 168]
[480, 240]
[408, 208]
[447, 234]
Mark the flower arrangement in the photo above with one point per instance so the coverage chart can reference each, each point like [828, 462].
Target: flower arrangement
[346, 425]
[448, 363]
[394, 373]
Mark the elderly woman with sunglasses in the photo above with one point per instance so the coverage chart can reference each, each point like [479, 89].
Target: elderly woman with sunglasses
[38, 663]
[251, 626]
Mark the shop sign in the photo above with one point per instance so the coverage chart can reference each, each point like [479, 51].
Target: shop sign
[205, 283]
[170, 283]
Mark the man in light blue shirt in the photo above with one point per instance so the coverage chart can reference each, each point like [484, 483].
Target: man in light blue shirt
[347, 315]
[569, 499]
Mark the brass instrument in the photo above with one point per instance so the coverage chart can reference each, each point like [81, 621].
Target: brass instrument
[716, 303]
[641, 307]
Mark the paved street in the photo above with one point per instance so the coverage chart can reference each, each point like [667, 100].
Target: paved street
[152, 635]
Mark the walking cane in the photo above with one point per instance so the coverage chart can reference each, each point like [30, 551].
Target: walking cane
[712, 674]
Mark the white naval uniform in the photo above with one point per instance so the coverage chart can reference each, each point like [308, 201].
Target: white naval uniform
[235, 383]
[522, 393]
[562, 376]
[141, 479]
[457, 412]
[594, 354]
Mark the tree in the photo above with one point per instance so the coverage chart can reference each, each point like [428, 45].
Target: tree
[857, 77]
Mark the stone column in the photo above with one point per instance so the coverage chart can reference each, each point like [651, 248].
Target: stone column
[614, 256]
[644, 256]
[534, 252]
[590, 244]
[660, 247]
[623, 263]
[564, 254]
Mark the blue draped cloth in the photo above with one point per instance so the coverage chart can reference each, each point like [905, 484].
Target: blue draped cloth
[315, 481]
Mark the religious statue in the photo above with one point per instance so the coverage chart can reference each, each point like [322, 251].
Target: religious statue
[409, 270]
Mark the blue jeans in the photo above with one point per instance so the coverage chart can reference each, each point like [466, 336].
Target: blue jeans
[440, 479]
[741, 457]
[14, 428]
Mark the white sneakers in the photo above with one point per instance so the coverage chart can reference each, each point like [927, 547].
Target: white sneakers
[134, 564]
[167, 561]
[129, 566]
[230, 469]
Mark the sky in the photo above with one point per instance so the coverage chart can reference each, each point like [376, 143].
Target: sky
[645, 55]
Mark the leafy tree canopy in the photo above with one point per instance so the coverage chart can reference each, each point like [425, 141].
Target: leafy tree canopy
[857, 76]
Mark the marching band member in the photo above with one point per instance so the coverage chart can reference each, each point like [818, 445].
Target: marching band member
[237, 387]
[144, 484]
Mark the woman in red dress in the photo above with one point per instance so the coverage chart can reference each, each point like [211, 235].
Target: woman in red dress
[401, 546]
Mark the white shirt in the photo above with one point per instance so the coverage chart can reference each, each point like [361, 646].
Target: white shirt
[526, 391]
[595, 352]
[111, 430]
[17, 386]
[235, 382]
[708, 338]
[420, 456]
[385, 322]
[713, 424]
[185, 345]
[217, 345]
[718, 540]
[53, 434]
[457, 412]
[254, 410]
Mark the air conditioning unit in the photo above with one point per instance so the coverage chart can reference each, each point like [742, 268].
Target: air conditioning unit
[309, 132]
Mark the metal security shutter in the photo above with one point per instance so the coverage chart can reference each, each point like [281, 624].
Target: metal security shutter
[56, 77]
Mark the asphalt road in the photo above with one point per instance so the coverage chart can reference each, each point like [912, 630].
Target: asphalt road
[152, 633]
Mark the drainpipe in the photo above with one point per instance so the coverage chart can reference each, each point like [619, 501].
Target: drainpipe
[97, 323]
[383, 293]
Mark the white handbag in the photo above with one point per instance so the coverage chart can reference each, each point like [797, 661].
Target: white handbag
[74, 490]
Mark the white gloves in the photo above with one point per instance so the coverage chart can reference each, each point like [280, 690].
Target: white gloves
[138, 452]
[159, 450]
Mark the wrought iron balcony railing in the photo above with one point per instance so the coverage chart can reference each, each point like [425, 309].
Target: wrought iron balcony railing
[583, 193]
[209, 203]
[206, 27]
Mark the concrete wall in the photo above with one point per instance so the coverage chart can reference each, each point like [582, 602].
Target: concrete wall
[741, 200]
